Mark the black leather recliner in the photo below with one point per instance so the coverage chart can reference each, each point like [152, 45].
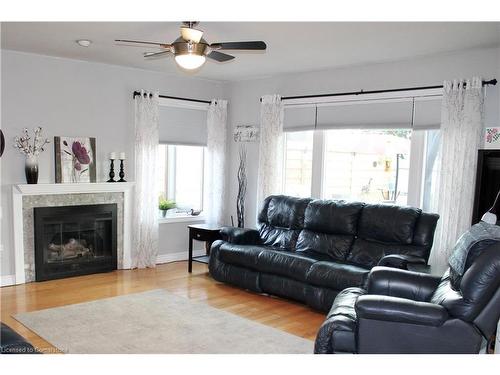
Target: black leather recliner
[310, 250]
[408, 312]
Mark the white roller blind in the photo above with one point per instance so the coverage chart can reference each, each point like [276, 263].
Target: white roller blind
[427, 113]
[299, 117]
[377, 114]
[184, 126]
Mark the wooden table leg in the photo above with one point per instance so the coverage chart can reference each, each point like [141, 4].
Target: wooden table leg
[190, 260]
[208, 245]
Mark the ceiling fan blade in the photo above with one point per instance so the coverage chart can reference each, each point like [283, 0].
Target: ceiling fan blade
[164, 45]
[255, 45]
[219, 56]
[155, 54]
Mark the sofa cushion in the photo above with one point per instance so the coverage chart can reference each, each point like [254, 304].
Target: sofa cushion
[336, 276]
[332, 217]
[336, 246]
[368, 253]
[285, 263]
[315, 255]
[423, 235]
[286, 212]
[281, 238]
[240, 255]
[390, 224]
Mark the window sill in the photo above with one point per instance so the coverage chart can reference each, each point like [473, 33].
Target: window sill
[181, 219]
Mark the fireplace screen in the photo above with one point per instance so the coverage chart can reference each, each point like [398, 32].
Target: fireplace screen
[74, 240]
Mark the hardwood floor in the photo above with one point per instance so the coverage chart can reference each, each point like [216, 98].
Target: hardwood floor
[282, 314]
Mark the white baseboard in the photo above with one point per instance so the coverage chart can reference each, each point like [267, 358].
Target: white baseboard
[8, 280]
[174, 257]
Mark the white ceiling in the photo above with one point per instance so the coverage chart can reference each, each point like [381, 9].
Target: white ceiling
[291, 46]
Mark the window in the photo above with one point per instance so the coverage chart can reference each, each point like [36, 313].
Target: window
[431, 171]
[298, 163]
[181, 176]
[367, 165]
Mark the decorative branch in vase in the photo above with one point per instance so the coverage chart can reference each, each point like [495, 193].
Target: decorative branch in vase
[31, 150]
[242, 187]
[243, 134]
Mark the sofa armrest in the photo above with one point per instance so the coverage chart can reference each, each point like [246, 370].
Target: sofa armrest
[394, 282]
[400, 261]
[400, 310]
[242, 236]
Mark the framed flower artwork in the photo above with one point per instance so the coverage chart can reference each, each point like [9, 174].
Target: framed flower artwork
[75, 159]
[492, 138]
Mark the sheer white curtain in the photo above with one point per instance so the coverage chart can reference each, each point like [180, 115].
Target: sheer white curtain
[215, 177]
[270, 173]
[461, 131]
[145, 221]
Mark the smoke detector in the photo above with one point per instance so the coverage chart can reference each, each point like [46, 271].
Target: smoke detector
[84, 42]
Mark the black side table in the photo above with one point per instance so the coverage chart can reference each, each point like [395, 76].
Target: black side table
[202, 232]
[423, 268]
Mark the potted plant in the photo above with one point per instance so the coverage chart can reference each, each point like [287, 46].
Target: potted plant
[165, 205]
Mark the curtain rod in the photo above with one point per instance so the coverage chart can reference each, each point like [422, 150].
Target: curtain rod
[492, 82]
[136, 93]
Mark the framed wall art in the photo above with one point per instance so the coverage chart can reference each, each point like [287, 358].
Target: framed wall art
[75, 159]
[492, 138]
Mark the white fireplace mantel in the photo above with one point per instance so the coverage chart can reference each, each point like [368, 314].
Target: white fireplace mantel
[20, 190]
[100, 187]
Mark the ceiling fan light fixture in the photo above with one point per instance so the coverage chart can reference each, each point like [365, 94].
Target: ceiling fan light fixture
[190, 61]
[191, 50]
[191, 35]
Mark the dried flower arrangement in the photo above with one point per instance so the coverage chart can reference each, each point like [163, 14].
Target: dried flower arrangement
[29, 149]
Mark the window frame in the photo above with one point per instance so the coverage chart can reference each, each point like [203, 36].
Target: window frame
[418, 146]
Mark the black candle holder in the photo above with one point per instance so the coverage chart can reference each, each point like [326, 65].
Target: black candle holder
[111, 171]
[122, 173]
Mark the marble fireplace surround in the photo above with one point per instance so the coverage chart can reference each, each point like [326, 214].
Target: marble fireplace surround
[27, 197]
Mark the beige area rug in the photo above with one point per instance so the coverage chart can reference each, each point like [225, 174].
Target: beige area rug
[156, 321]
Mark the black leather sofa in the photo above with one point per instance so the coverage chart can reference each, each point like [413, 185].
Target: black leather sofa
[310, 250]
[13, 343]
[403, 312]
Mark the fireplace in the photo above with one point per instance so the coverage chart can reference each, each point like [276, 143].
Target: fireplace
[74, 240]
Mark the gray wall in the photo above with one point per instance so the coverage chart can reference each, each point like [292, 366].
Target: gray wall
[76, 98]
[245, 106]
[69, 97]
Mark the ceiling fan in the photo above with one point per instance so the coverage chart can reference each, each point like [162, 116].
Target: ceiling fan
[190, 49]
